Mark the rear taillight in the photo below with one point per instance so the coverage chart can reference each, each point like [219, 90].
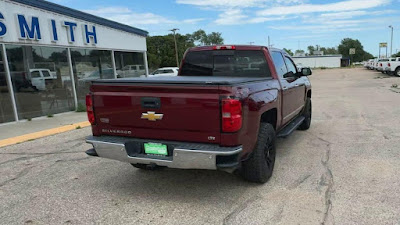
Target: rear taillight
[381, 65]
[388, 64]
[231, 115]
[224, 47]
[89, 108]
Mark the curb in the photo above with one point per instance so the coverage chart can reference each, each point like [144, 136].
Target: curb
[40, 134]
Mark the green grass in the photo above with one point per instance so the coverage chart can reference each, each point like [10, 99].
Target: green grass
[50, 115]
[78, 127]
[81, 108]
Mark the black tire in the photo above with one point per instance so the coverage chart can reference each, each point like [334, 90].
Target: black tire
[307, 113]
[259, 167]
[397, 72]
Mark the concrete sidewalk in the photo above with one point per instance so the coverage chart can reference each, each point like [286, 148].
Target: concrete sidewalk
[12, 133]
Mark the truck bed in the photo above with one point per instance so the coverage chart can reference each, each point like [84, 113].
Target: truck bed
[201, 80]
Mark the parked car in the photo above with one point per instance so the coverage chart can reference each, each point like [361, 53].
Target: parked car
[105, 74]
[370, 63]
[379, 65]
[393, 67]
[374, 64]
[20, 79]
[41, 78]
[166, 71]
[131, 71]
[223, 111]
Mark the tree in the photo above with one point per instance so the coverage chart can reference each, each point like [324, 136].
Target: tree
[161, 49]
[311, 49]
[200, 37]
[299, 52]
[331, 51]
[288, 51]
[214, 38]
[349, 43]
[396, 55]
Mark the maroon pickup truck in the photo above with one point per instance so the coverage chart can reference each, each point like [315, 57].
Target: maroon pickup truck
[223, 111]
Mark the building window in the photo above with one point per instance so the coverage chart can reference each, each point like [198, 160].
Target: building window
[90, 65]
[129, 64]
[6, 111]
[40, 79]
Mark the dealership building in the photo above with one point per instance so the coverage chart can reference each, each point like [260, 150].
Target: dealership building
[49, 54]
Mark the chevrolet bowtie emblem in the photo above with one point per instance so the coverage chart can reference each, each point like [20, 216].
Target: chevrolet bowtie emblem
[152, 116]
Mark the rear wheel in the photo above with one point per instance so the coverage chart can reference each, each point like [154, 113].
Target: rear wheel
[307, 113]
[397, 72]
[259, 167]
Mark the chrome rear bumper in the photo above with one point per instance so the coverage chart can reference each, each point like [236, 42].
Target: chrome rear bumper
[183, 155]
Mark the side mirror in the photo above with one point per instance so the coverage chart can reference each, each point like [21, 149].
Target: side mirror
[306, 71]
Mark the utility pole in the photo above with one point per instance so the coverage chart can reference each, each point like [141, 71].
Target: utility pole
[251, 42]
[269, 42]
[391, 42]
[176, 46]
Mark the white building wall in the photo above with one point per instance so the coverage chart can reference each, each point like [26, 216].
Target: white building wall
[319, 61]
[107, 38]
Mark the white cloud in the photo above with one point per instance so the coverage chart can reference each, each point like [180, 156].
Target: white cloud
[339, 25]
[230, 17]
[237, 16]
[351, 14]
[350, 5]
[223, 3]
[126, 16]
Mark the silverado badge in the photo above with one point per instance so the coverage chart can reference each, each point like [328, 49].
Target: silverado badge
[152, 116]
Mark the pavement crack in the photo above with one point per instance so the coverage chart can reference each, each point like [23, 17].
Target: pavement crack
[239, 209]
[278, 216]
[19, 159]
[19, 175]
[40, 153]
[328, 181]
[299, 181]
[73, 160]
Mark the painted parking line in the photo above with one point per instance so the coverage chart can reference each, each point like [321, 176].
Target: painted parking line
[44, 133]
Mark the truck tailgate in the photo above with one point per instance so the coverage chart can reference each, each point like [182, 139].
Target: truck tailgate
[168, 112]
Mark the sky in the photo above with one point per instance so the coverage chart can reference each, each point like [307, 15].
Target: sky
[291, 24]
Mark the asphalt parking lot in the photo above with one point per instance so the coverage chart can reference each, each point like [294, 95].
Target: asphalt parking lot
[344, 170]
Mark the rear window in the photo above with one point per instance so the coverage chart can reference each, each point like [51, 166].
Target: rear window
[225, 63]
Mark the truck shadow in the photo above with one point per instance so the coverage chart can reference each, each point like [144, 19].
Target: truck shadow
[176, 185]
[189, 185]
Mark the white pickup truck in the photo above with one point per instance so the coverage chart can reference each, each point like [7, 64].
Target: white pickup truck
[393, 67]
[379, 65]
[41, 77]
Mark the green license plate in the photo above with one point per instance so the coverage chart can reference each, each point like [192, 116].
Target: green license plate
[155, 149]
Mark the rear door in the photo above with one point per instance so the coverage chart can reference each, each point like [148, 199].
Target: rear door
[289, 90]
[298, 87]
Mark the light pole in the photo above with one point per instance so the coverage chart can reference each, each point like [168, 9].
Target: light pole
[391, 42]
[176, 47]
